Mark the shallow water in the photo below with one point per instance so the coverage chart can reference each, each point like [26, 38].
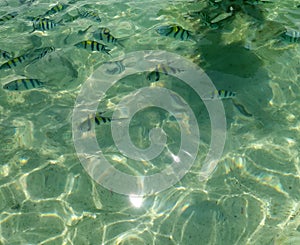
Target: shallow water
[252, 197]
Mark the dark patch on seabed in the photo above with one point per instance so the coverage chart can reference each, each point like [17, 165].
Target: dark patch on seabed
[233, 64]
[219, 17]
[231, 59]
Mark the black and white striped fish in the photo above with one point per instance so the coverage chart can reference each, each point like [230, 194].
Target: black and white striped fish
[98, 118]
[222, 94]
[162, 69]
[56, 9]
[103, 34]
[14, 62]
[90, 14]
[40, 53]
[93, 46]
[5, 54]
[7, 17]
[43, 24]
[174, 31]
[291, 36]
[23, 84]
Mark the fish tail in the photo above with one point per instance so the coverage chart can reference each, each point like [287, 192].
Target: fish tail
[121, 41]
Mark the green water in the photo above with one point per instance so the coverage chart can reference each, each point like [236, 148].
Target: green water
[252, 197]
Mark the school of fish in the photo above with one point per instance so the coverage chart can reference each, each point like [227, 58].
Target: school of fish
[103, 41]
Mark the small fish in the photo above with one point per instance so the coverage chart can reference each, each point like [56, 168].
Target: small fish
[55, 9]
[222, 94]
[241, 108]
[115, 67]
[97, 118]
[7, 17]
[174, 31]
[162, 68]
[40, 53]
[14, 62]
[93, 15]
[291, 36]
[43, 24]
[23, 84]
[5, 54]
[93, 46]
[103, 34]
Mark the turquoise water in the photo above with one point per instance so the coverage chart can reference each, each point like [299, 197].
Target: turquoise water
[252, 197]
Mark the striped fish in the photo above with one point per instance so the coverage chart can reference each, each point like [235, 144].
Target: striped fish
[222, 94]
[93, 46]
[23, 84]
[101, 119]
[98, 118]
[90, 14]
[40, 53]
[291, 36]
[174, 31]
[7, 17]
[103, 34]
[5, 54]
[14, 62]
[164, 69]
[43, 24]
[55, 9]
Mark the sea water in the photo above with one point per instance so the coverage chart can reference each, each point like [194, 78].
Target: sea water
[250, 197]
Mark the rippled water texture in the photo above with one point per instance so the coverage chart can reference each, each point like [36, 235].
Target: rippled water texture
[249, 47]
